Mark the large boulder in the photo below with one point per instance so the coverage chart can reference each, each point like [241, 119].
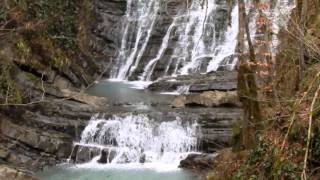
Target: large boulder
[211, 164]
[198, 162]
[208, 99]
[179, 102]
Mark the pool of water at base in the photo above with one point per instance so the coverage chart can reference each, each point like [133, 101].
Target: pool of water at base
[122, 172]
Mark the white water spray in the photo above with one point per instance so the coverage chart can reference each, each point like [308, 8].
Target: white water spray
[144, 20]
[135, 136]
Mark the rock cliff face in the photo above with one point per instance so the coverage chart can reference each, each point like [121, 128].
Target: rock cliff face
[42, 134]
[107, 29]
[43, 67]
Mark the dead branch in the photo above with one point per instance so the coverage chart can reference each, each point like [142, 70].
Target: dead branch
[295, 107]
[304, 174]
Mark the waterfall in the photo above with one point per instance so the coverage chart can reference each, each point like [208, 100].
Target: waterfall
[139, 139]
[152, 63]
[140, 20]
[197, 39]
[228, 47]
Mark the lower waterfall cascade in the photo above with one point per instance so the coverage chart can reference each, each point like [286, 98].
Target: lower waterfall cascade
[134, 139]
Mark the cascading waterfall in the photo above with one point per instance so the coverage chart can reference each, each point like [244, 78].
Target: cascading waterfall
[140, 20]
[138, 139]
[152, 63]
[198, 38]
[195, 41]
[228, 47]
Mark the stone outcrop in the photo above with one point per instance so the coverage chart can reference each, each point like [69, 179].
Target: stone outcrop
[8, 173]
[198, 162]
[84, 98]
[42, 133]
[48, 142]
[208, 99]
[220, 80]
[179, 102]
[211, 164]
[212, 100]
[85, 153]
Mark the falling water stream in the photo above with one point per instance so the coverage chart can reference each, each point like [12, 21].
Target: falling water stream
[137, 148]
[198, 38]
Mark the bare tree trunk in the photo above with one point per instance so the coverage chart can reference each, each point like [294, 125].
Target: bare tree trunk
[246, 26]
[303, 19]
[247, 86]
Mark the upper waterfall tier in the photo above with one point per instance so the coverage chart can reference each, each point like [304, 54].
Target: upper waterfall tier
[166, 38]
[145, 40]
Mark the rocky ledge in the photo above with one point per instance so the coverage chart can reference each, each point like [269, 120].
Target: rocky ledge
[214, 98]
[219, 80]
[42, 134]
[214, 95]
[198, 162]
[208, 99]
[210, 164]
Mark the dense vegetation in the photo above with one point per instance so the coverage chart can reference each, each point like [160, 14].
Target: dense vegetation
[43, 38]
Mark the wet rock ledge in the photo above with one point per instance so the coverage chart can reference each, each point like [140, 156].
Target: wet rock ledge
[42, 134]
[214, 95]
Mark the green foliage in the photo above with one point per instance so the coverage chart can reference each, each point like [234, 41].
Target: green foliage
[258, 152]
[9, 90]
[297, 132]
[60, 61]
[265, 162]
[23, 49]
